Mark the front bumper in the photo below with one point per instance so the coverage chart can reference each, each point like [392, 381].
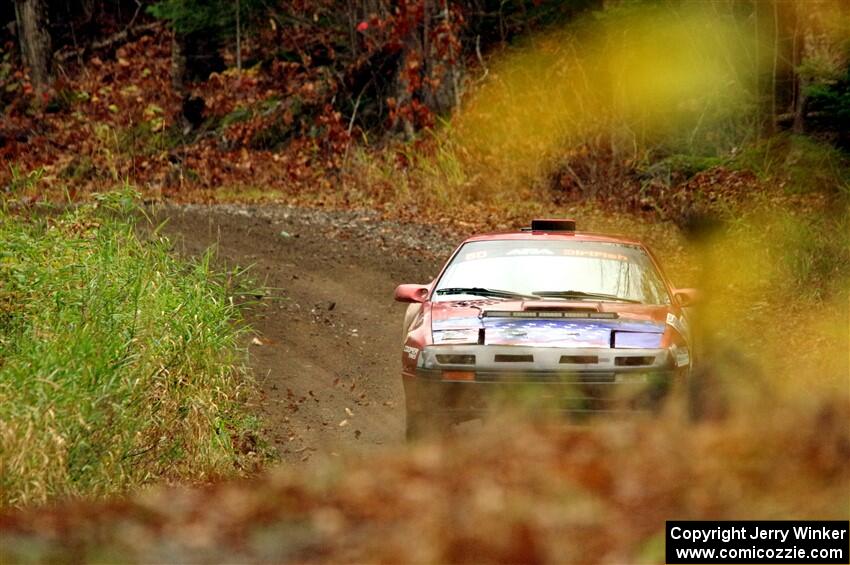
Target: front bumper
[572, 380]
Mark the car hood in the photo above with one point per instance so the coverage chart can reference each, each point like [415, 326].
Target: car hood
[548, 323]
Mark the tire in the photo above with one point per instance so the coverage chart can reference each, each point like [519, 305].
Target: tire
[706, 399]
[420, 425]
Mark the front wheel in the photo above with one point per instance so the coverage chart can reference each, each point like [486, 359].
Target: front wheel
[420, 425]
[706, 398]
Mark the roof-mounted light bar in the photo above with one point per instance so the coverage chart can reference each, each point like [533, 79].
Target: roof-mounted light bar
[549, 314]
[553, 225]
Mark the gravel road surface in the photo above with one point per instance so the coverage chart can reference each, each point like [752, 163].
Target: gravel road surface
[326, 351]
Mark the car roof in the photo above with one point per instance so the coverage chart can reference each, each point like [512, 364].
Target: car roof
[554, 236]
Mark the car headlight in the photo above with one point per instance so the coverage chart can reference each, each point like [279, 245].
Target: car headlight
[680, 355]
[427, 359]
[469, 335]
[645, 340]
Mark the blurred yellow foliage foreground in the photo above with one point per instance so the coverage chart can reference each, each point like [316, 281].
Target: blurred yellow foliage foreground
[532, 493]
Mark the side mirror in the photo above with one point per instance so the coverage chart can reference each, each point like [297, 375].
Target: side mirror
[686, 296]
[411, 293]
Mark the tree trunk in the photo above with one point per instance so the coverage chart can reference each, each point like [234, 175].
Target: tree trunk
[34, 36]
[238, 40]
[178, 62]
[193, 57]
[798, 54]
[777, 47]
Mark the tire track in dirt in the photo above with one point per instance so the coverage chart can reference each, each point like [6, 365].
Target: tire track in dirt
[329, 361]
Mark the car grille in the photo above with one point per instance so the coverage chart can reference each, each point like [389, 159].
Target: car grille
[548, 377]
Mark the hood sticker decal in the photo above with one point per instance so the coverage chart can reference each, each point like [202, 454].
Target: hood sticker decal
[553, 332]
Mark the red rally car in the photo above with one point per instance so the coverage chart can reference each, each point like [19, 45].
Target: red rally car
[587, 320]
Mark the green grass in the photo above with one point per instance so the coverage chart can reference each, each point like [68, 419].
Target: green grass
[119, 364]
[802, 164]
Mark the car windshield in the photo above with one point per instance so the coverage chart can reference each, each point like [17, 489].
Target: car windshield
[573, 270]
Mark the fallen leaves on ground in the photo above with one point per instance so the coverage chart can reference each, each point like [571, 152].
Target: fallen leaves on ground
[519, 492]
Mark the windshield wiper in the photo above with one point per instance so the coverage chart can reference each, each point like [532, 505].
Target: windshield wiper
[478, 291]
[583, 295]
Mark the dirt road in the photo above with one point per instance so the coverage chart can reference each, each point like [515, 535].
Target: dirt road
[326, 348]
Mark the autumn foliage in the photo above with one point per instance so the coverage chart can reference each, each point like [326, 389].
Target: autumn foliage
[429, 111]
[529, 493]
